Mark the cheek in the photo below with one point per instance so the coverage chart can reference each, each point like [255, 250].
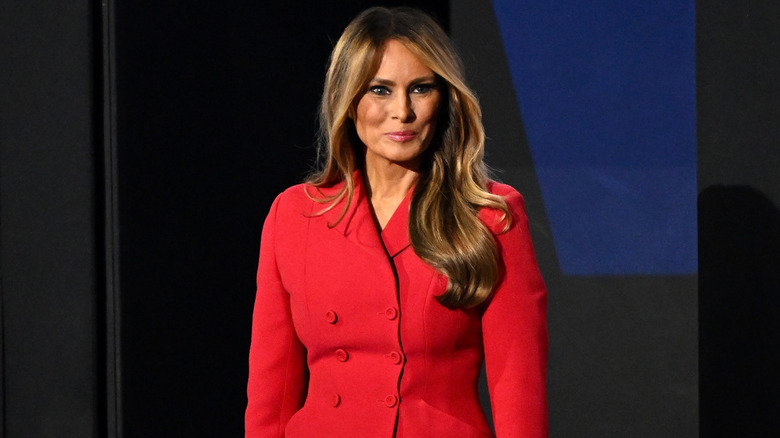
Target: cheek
[432, 113]
[433, 104]
[368, 114]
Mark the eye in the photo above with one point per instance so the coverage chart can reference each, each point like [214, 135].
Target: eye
[379, 90]
[423, 88]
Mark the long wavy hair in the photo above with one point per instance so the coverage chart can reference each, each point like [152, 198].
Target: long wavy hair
[444, 229]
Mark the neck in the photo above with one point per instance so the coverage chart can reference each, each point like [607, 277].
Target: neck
[386, 186]
[389, 181]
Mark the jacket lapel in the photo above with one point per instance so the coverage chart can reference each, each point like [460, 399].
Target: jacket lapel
[358, 225]
[396, 233]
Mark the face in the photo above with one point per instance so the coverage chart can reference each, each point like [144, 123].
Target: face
[396, 116]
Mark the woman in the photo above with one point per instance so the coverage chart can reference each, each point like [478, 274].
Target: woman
[385, 280]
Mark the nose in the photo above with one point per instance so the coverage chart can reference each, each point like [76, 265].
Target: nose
[402, 107]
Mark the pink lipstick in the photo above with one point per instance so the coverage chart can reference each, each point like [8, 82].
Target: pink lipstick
[401, 136]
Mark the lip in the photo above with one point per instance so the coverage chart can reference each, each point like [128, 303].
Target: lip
[401, 136]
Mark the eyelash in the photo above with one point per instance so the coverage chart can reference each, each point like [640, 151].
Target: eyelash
[381, 90]
[424, 88]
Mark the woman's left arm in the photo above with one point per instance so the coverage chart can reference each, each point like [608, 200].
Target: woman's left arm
[515, 334]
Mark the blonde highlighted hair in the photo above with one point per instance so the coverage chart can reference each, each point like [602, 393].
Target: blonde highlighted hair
[444, 228]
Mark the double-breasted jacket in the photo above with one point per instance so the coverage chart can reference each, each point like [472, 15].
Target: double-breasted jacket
[348, 339]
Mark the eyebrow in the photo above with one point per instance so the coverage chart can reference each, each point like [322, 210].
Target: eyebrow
[431, 78]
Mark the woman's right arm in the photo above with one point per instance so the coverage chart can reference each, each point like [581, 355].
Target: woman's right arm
[277, 360]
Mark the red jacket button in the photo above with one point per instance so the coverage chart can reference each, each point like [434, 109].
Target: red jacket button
[342, 355]
[391, 401]
[336, 400]
[395, 357]
[391, 313]
[331, 317]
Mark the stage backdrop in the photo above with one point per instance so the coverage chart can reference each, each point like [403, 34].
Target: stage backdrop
[590, 110]
[141, 144]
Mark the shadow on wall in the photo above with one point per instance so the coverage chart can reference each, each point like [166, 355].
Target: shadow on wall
[739, 312]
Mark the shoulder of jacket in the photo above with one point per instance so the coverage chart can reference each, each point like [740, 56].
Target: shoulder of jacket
[492, 217]
[305, 192]
[294, 194]
[501, 189]
[512, 197]
[292, 200]
[304, 200]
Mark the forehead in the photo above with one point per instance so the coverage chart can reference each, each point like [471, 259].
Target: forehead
[396, 59]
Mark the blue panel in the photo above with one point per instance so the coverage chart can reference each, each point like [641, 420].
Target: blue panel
[607, 94]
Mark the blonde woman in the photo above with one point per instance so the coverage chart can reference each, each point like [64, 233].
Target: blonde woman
[388, 277]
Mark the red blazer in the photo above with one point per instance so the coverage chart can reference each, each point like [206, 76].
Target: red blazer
[348, 339]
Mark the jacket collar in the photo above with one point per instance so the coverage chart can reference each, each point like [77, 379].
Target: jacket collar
[358, 222]
[396, 232]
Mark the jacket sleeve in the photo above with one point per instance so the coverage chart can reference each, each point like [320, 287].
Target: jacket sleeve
[277, 359]
[515, 334]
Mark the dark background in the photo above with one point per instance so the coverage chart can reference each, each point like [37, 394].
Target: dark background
[141, 144]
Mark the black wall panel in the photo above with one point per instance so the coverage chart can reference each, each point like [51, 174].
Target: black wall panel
[216, 114]
[50, 252]
[739, 217]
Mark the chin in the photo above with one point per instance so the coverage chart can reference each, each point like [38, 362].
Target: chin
[403, 154]
[406, 157]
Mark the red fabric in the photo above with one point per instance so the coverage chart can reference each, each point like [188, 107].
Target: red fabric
[340, 348]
